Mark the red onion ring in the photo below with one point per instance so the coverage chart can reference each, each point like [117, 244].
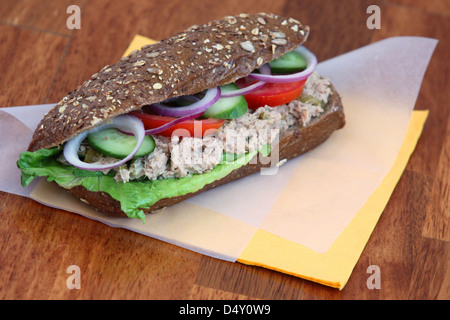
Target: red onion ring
[211, 97]
[243, 91]
[126, 123]
[264, 69]
[311, 61]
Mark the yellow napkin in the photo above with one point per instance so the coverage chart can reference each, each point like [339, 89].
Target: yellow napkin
[334, 267]
[137, 43]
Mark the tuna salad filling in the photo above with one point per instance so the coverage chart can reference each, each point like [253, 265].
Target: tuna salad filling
[177, 157]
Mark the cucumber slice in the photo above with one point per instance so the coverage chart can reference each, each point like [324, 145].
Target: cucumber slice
[290, 62]
[227, 108]
[113, 143]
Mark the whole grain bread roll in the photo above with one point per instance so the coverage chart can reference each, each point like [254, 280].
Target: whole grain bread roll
[199, 58]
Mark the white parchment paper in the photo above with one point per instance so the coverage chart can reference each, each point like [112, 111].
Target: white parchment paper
[314, 197]
[311, 199]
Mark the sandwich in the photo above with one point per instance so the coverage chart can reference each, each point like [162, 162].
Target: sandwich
[202, 108]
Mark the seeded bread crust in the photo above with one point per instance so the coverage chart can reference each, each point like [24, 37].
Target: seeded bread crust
[197, 59]
[295, 142]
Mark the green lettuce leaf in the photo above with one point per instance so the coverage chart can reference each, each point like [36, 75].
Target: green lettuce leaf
[134, 195]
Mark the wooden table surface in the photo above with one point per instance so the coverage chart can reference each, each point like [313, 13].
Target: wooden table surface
[42, 60]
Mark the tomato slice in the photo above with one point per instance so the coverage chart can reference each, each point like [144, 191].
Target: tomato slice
[271, 94]
[188, 128]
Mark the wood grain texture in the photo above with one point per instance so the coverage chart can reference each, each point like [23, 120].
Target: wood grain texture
[31, 61]
[410, 243]
[437, 221]
[29, 14]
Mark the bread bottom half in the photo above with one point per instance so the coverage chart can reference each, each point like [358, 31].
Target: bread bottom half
[293, 143]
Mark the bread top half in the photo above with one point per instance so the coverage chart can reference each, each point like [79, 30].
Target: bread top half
[199, 58]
